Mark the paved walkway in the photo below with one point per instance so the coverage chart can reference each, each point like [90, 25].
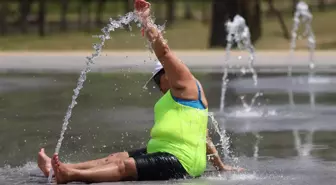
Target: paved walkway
[144, 61]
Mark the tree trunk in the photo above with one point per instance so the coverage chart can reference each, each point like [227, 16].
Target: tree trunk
[88, 21]
[3, 17]
[222, 11]
[64, 10]
[41, 17]
[25, 8]
[251, 12]
[170, 12]
[80, 11]
[280, 18]
[157, 7]
[99, 12]
[205, 17]
[294, 3]
[321, 5]
[187, 10]
[128, 5]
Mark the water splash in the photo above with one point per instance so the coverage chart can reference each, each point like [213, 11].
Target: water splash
[304, 16]
[248, 107]
[111, 26]
[242, 37]
[229, 39]
[224, 139]
[239, 33]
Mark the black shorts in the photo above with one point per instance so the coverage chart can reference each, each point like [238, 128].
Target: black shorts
[157, 166]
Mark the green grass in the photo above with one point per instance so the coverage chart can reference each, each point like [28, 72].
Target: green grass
[182, 35]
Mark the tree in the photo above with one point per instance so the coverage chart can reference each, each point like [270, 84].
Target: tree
[99, 12]
[64, 10]
[222, 11]
[294, 3]
[84, 12]
[25, 8]
[170, 12]
[3, 17]
[41, 17]
[321, 5]
[128, 5]
[280, 18]
[187, 10]
[251, 11]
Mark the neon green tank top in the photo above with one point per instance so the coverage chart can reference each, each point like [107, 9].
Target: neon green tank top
[181, 131]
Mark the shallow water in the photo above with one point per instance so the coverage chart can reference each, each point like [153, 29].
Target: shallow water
[277, 142]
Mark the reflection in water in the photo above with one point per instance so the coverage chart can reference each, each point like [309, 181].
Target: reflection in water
[256, 145]
[303, 149]
[291, 99]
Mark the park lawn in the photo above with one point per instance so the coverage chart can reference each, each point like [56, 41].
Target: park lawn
[182, 35]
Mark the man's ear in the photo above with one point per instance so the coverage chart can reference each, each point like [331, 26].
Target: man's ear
[166, 76]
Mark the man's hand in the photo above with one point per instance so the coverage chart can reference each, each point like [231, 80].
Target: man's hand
[215, 159]
[220, 166]
[230, 168]
[142, 8]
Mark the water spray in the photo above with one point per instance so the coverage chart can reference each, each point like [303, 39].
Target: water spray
[111, 26]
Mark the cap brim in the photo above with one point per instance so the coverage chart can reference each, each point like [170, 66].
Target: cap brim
[150, 82]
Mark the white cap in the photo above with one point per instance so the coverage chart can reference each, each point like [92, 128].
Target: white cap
[158, 68]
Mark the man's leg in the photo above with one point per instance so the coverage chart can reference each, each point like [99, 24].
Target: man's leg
[122, 169]
[99, 162]
[44, 162]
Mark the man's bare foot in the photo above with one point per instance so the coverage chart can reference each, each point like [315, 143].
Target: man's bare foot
[62, 172]
[44, 162]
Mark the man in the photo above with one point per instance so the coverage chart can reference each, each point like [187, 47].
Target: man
[179, 142]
